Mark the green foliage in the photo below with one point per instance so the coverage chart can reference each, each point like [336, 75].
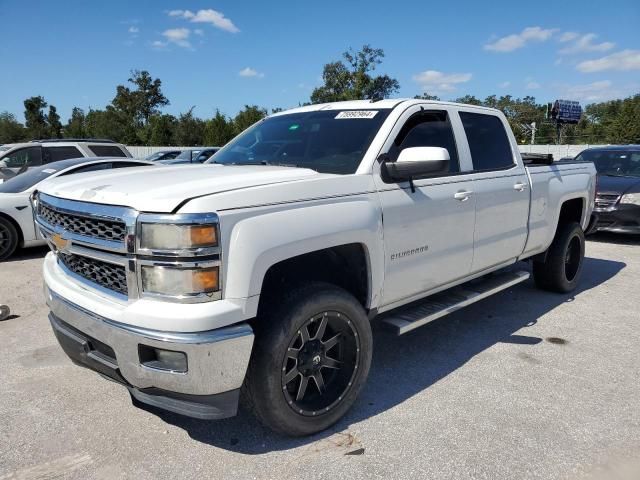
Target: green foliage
[76, 127]
[161, 130]
[11, 131]
[53, 120]
[35, 120]
[247, 117]
[189, 130]
[219, 130]
[353, 80]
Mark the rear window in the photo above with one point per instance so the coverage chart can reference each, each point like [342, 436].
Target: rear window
[107, 151]
[488, 141]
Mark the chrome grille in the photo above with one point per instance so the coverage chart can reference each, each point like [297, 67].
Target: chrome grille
[606, 201]
[107, 275]
[86, 226]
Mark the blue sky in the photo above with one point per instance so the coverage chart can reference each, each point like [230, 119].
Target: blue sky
[225, 54]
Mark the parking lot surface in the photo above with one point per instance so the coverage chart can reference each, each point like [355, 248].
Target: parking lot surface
[525, 384]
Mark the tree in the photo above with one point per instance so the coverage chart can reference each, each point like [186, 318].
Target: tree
[189, 130]
[11, 130]
[110, 123]
[219, 130]
[35, 120]
[247, 117]
[140, 104]
[76, 127]
[53, 120]
[353, 81]
[162, 130]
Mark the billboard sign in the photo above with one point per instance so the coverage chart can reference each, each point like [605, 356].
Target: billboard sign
[566, 111]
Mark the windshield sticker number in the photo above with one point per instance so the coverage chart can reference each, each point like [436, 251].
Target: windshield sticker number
[49, 170]
[356, 114]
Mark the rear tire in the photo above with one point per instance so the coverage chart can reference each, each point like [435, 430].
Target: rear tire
[310, 360]
[561, 269]
[8, 239]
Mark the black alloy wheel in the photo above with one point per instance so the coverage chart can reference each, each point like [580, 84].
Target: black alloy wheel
[8, 239]
[320, 363]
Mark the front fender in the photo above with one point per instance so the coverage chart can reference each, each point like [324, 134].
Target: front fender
[258, 242]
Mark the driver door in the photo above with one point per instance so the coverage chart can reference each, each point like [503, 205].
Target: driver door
[428, 233]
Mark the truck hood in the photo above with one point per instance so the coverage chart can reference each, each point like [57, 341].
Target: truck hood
[163, 188]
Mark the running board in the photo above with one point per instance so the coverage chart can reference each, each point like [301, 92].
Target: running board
[406, 319]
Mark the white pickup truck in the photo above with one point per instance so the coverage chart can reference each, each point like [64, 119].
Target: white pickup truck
[261, 271]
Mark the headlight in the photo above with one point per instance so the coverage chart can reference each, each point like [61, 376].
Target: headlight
[631, 198]
[171, 237]
[180, 282]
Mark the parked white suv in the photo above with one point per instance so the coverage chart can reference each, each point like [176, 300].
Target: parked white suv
[263, 269]
[17, 156]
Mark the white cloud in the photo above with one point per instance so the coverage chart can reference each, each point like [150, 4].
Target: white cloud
[199, 31]
[624, 60]
[532, 85]
[178, 36]
[213, 17]
[593, 92]
[433, 81]
[134, 30]
[505, 84]
[584, 43]
[250, 72]
[158, 44]
[519, 40]
[568, 36]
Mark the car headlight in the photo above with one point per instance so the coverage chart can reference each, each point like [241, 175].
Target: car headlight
[180, 281]
[157, 236]
[631, 198]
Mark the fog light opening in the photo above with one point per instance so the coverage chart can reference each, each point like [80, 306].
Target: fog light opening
[161, 359]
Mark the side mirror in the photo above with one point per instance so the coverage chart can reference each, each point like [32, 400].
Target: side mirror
[416, 162]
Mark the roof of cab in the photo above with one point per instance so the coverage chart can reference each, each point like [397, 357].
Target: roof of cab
[388, 103]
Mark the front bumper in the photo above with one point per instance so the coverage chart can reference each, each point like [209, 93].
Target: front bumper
[216, 360]
[621, 219]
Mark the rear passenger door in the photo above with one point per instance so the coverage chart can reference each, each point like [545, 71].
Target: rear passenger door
[501, 189]
[53, 154]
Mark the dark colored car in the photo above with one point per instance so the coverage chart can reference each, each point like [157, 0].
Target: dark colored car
[617, 207]
[163, 155]
[192, 155]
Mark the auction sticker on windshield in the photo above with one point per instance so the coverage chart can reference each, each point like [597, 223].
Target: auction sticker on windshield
[356, 114]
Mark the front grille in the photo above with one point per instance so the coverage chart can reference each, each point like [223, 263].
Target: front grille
[85, 226]
[107, 275]
[605, 201]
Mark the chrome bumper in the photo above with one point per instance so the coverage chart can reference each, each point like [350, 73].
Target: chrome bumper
[217, 360]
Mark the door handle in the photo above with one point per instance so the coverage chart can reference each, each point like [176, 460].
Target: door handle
[519, 186]
[462, 196]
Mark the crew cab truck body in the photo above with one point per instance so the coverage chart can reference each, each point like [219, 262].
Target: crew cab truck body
[262, 270]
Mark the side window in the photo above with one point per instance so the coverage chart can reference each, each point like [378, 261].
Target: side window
[427, 129]
[30, 156]
[488, 141]
[53, 154]
[107, 151]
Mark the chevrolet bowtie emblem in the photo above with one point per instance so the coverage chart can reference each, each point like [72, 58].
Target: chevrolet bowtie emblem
[60, 242]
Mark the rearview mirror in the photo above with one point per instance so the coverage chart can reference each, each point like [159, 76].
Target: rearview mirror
[417, 162]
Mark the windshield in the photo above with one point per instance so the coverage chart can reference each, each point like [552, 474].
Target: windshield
[26, 180]
[616, 163]
[186, 154]
[4, 149]
[328, 141]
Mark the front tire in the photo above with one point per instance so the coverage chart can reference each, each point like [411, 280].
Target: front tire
[561, 269]
[8, 239]
[311, 358]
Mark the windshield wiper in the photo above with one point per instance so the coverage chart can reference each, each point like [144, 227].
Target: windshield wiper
[262, 162]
